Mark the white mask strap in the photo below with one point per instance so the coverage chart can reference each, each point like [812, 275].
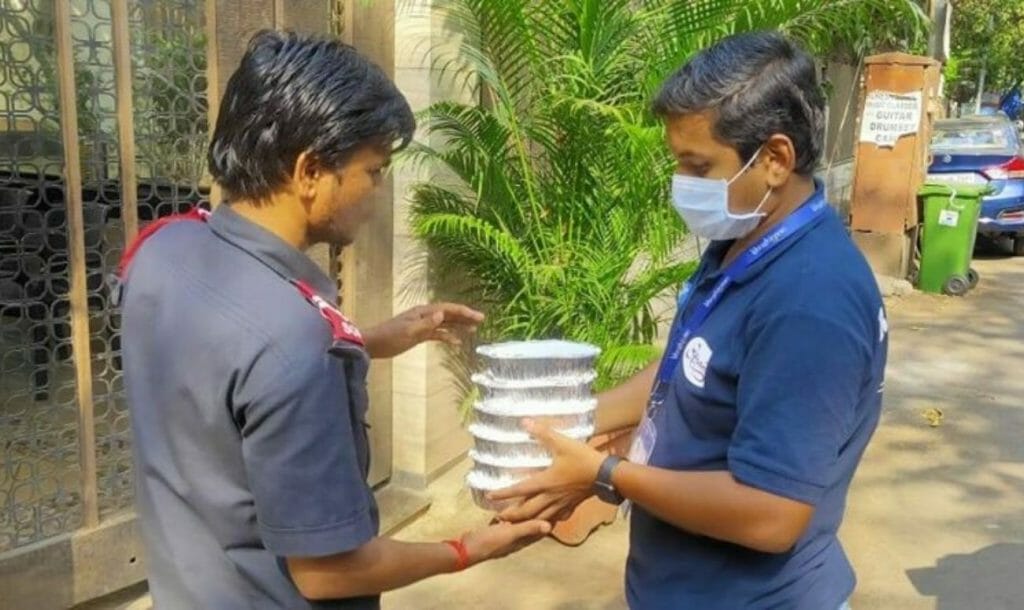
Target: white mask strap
[763, 199]
[747, 166]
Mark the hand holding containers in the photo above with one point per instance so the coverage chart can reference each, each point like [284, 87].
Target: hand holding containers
[544, 380]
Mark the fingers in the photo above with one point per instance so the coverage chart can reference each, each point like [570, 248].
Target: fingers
[528, 529]
[549, 506]
[564, 514]
[522, 543]
[454, 313]
[438, 321]
[524, 489]
[551, 513]
[531, 509]
[530, 532]
[547, 436]
[444, 335]
[427, 325]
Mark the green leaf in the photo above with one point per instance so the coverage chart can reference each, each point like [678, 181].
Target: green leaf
[548, 204]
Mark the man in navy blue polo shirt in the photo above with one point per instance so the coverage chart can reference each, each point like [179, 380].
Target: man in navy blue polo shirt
[247, 386]
[771, 385]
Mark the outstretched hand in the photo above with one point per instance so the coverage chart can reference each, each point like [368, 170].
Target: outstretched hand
[503, 538]
[436, 322]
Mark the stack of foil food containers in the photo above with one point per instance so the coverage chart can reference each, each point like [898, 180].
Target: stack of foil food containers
[545, 380]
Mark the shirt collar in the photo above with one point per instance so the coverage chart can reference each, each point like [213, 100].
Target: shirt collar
[271, 250]
[712, 259]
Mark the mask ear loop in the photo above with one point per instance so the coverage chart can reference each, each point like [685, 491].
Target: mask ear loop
[743, 170]
[763, 199]
[753, 158]
[747, 166]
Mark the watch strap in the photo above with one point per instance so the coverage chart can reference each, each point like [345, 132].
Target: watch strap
[604, 480]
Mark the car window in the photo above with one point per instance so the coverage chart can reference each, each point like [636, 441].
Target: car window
[977, 139]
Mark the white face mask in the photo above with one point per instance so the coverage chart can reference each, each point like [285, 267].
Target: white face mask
[703, 204]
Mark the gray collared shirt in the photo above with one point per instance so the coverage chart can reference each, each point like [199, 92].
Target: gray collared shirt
[250, 442]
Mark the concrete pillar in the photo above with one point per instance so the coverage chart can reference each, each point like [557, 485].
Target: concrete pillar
[428, 435]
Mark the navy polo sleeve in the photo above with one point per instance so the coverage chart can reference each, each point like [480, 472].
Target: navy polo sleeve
[301, 460]
[799, 387]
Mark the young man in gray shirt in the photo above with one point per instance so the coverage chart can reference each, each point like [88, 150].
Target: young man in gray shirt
[247, 386]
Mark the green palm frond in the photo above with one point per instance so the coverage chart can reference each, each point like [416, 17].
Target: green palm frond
[476, 242]
[620, 362]
[549, 209]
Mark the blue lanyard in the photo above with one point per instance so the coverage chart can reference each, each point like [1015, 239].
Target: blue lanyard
[685, 326]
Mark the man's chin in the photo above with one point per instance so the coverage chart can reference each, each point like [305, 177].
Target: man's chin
[335, 239]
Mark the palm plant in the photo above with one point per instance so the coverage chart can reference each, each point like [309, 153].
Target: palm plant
[552, 211]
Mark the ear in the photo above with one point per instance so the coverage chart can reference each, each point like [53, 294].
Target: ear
[780, 155]
[305, 175]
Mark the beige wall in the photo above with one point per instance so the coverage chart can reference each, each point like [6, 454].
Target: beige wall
[428, 434]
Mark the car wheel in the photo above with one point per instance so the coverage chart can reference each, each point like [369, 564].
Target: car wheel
[1018, 245]
[972, 278]
[956, 286]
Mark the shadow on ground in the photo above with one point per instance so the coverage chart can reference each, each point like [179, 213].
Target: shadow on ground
[989, 578]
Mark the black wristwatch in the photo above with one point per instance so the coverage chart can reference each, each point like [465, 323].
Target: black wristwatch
[603, 486]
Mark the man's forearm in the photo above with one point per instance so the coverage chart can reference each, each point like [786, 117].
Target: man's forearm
[623, 406]
[714, 504]
[380, 565]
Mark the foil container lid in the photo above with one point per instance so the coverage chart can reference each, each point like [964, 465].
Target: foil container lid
[538, 371]
[534, 408]
[568, 380]
[501, 436]
[479, 480]
[509, 461]
[523, 450]
[530, 350]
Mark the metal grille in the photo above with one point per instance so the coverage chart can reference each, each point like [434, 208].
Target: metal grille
[97, 130]
[337, 17]
[40, 473]
[171, 122]
[39, 466]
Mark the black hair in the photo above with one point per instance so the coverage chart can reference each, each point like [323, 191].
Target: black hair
[758, 84]
[292, 94]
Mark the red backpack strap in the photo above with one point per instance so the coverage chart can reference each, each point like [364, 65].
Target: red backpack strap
[149, 230]
[115, 281]
[342, 329]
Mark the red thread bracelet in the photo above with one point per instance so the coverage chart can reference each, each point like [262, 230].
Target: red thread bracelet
[461, 554]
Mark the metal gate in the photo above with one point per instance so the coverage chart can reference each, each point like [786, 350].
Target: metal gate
[103, 127]
[105, 112]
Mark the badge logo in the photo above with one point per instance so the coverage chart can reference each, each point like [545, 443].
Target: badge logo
[696, 358]
[883, 325]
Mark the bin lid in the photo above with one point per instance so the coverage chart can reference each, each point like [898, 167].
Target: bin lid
[958, 190]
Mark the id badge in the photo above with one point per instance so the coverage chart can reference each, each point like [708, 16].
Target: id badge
[640, 451]
[643, 441]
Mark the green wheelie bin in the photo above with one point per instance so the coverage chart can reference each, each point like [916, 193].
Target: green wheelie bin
[947, 241]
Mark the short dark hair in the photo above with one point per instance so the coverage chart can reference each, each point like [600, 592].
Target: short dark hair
[295, 93]
[758, 84]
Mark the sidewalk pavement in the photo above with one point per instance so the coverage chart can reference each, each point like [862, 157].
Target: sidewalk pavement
[936, 512]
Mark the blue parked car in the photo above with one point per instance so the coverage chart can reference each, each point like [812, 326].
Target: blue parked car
[982, 150]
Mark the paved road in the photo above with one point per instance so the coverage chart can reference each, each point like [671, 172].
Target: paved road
[936, 518]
